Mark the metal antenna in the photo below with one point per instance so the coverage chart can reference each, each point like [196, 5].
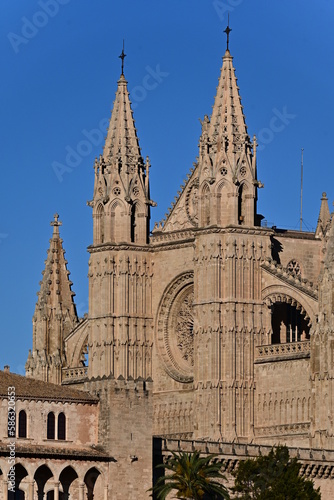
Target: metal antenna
[301, 193]
[122, 56]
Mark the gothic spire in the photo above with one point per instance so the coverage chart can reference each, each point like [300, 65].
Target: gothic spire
[121, 201]
[55, 295]
[228, 120]
[122, 146]
[227, 155]
[55, 314]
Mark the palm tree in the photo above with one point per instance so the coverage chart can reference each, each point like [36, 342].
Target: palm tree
[192, 477]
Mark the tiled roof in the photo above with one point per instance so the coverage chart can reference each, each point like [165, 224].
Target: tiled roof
[24, 449]
[29, 388]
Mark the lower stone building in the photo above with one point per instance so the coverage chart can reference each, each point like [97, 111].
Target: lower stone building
[211, 331]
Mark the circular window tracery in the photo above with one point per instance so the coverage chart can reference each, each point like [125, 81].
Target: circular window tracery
[175, 328]
[243, 171]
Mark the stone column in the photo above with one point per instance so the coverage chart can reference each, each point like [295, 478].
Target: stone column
[31, 490]
[82, 491]
[5, 489]
[56, 490]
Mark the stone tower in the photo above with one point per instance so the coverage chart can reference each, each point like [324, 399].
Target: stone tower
[55, 315]
[226, 263]
[120, 270]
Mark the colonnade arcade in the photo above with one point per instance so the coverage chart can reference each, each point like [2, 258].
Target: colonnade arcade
[35, 480]
[289, 320]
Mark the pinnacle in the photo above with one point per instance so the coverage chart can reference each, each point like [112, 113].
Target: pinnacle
[122, 143]
[227, 118]
[55, 290]
[324, 218]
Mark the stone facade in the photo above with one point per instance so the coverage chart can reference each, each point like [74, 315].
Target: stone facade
[210, 329]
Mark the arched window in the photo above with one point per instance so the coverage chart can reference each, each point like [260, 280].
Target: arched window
[51, 426]
[288, 324]
[61, 426]
[22, 424]
[206, 205]
[100, 224]
[241, 205]
[133, 223]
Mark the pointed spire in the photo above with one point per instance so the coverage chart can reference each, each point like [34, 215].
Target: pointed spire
[122, 146]
[121, 184]
[55, 294]
[55, 314]
[228, 156]
[324, 218]
[228, 120]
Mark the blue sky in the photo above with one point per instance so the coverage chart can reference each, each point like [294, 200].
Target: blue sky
[60, 68]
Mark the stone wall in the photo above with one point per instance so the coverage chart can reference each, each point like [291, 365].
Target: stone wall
[125, 431]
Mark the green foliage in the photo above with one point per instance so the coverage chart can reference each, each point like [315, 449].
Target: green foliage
[274, 476]
[191, 476]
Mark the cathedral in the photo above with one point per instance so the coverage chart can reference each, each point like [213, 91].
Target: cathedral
[210, 332]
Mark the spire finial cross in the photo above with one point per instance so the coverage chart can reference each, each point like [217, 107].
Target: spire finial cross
[122, 56]
[228, 31]
[56, 222]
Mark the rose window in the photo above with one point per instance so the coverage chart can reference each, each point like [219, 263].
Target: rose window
[184, 329]
[175, 328]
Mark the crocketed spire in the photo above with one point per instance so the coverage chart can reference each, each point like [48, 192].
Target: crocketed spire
[228, 121]
[55, 314]
[122, 146]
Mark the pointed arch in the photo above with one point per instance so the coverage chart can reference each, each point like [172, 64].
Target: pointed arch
[206, 205]
[242, 209]
[20, 473]
[90, 479]
[138, 233]
[119, 225]
[99, 224]
[42, 476]
[223, 202]
[66, 478]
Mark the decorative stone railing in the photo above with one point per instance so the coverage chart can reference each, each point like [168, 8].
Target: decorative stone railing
[291, 350]
[316, 463]
[73, 374]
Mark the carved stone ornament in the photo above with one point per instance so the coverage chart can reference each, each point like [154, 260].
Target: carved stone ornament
[293, 268]
[175, 337]
[192, 203]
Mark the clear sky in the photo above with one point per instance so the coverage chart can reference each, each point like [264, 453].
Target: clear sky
[60, 68]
